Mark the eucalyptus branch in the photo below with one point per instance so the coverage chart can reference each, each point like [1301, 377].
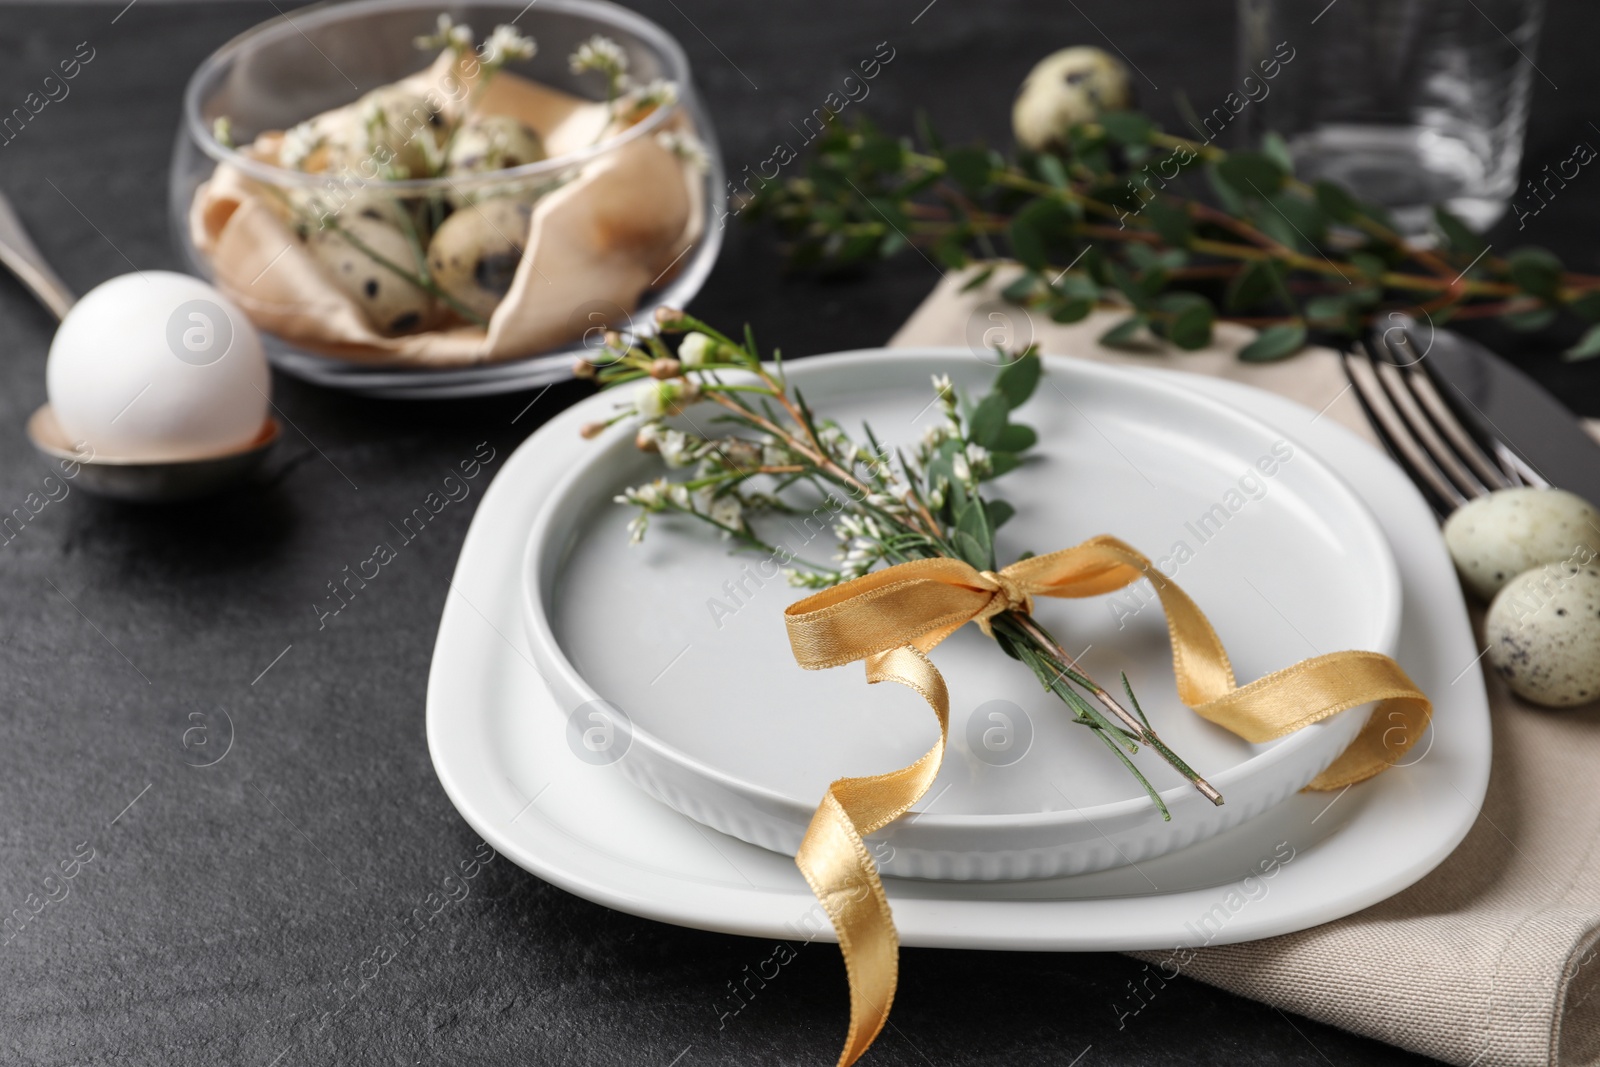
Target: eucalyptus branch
[1176, 233]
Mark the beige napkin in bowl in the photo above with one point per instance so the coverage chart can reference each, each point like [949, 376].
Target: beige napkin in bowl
[1494, 957]
[618, 226]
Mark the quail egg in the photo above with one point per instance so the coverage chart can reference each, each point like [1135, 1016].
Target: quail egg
[493, 142]
[487, 144]
[1064, 89]
[1543, 633]
[1496, 537]
[392, 303]
[401, 130]
[474, 254]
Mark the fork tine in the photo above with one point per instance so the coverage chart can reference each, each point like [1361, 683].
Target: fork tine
[1405, 402]
[1505, 462]
[1488, 473]
[1440, 492]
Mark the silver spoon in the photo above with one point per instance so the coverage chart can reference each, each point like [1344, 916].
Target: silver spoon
[122, 479]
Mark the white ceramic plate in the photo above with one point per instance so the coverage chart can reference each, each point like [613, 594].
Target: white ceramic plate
[504, 761]
[688, 640]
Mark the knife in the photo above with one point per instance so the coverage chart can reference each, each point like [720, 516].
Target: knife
[1495, 399]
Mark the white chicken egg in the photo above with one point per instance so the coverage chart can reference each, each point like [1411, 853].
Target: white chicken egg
[1543, 633]
[158, 366]
[1494, 538]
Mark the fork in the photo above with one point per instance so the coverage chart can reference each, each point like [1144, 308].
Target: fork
[1449, 463]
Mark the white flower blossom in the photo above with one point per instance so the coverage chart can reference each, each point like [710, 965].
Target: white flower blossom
[687, 147]
[809, 579]
[774, 456]
[658, 92]
[932, 438]
[505, 44]
[727, 511]
[959, 467]
[677, 448]
[696, 350]
[978, 459]
[637, 527]
[298, 144]
[449, 34]
[659, 399]
[600, 53]
[651, 497]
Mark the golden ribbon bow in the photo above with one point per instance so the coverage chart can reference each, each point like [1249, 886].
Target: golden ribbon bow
[892, 618]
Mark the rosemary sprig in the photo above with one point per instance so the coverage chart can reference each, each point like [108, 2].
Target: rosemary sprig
[885, 507]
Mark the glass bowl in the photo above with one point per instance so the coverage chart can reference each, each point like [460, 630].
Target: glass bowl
[317, 58]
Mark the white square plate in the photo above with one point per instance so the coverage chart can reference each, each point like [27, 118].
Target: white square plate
[502, 753]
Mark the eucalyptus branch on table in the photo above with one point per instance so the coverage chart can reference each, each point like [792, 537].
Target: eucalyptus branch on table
[770, 453]
[1178, 232]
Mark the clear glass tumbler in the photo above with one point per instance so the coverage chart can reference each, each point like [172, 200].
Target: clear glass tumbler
[1408, 103]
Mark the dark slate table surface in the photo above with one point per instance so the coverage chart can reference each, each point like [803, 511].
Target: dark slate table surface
[227, 911]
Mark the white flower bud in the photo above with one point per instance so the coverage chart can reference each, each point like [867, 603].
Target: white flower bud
[696, 350]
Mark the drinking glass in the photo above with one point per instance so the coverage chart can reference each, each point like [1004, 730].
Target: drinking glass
[1408, 103]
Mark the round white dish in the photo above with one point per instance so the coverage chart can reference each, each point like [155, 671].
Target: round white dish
[689, 642]
[498, 749]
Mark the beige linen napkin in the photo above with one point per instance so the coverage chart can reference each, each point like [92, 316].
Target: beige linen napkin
[1491, 958]
[618, 226]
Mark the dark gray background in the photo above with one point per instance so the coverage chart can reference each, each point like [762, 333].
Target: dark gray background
[223, 908]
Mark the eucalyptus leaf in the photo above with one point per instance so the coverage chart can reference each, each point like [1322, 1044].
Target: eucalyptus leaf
[1275, 148]
[977, 280]
[1003, 463]
[1171, 222]
[1038, 230]
[1015, 437]
[1338, 203]
[1252, 174]
[1071, 309]
[1190, 327]
[1588, 345]
[1537, 271]
[1530, 321]
[1051, 170]
[970, 550]
[1127, 127]
[1018, 379]
[1123, 332]
[1587, 305]
[999, 513]
[1252, 285]
[969, 167]
[987, 420]
[1021, 287]
[1457, 234]
[1275, 343]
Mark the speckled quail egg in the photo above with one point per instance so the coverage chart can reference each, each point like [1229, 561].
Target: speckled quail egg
[1065, 88]
[322, 208]
[474, 254]
[1543, 633]
[493, 142]
[1496, 537]
[401, 130]
[490, 143]
[393, 304]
